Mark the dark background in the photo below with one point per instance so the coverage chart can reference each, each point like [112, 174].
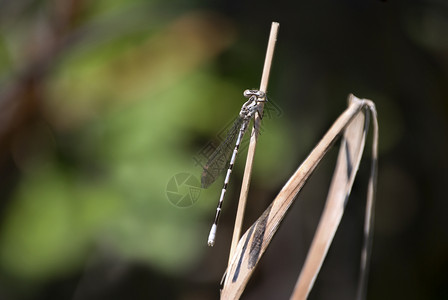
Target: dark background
[102, 103]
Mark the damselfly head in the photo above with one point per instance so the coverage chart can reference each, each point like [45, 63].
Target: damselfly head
[250, 93]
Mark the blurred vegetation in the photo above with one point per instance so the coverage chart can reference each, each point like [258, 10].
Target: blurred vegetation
[103, 102]
[114, 93]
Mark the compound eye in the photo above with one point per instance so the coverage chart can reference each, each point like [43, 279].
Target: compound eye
[260, 94]
[247, 93]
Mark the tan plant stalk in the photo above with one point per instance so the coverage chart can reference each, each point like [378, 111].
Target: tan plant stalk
[253, 142]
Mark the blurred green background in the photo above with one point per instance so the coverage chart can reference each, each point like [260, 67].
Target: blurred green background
[103, 102]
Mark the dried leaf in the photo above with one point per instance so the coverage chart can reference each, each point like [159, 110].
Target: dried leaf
[353, 124]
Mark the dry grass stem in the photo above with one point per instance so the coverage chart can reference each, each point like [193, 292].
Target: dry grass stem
[253, 142]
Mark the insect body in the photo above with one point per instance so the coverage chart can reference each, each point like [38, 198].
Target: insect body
[218, 160]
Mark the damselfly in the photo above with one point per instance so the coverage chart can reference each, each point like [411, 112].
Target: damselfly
[218, 160]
